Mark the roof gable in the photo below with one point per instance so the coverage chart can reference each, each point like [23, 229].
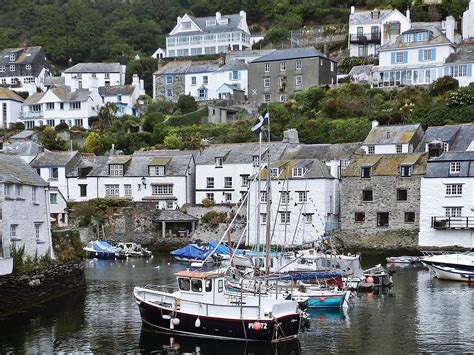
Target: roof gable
[402, 134]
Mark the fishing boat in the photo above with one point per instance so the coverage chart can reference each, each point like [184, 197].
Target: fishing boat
[452, 274]
[130, 249]
[405, 259]
[100, 249]
[202, 307]
[194, 252]
[378, 276]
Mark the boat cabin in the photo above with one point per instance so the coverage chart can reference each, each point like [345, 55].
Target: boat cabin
[205, 287]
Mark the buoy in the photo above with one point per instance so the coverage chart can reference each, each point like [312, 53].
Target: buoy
[133, 266]
[175, 321]
[322, 299]
[370, 280]
[257, 326]
[166, 316]
[171, 324]
[197, 323]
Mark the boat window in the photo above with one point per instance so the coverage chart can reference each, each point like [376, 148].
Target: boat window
[208, 285]
[183, 284]
[220, 286]
[196, 285]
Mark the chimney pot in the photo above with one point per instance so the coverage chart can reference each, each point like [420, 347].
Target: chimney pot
[352, 10]
[375, 123]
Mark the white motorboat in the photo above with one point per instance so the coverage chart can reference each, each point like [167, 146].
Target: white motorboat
[452, 274]
[460, 261]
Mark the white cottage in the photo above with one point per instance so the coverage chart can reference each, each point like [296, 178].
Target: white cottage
[92, 75]
[10, 107]
[22, 193]
[123, 96]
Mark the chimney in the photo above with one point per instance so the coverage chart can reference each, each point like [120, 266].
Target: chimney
[221, 59]
[450, 24]
[243, 15]
[290, 136]
[408, 13]
[218, 17]
[93, 83]
[178, 19]
[136, 81]
[353, 9]
[112, 149]
[375, 123]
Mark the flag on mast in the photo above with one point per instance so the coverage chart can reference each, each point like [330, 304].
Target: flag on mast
[262, 121]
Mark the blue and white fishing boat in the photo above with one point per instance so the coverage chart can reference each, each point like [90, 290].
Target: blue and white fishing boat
[101, 250]
[194, 252]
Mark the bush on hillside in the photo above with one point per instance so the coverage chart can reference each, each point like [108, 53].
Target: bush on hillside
[443, 85]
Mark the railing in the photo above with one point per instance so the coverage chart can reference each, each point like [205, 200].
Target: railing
[452, 222]
[365, 37]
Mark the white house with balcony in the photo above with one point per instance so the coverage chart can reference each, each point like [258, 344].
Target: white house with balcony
[208, 35]
[166, 177]
[24, 211]
[61, 104]
[394, 139]
[303, 203]
[417, 56]
[368, 30]
[93, 75]
[10, 107]
[124, 97]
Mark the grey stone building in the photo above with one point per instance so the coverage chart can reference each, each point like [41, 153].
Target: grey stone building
[381, 193]
[276, 76]
[169, 80]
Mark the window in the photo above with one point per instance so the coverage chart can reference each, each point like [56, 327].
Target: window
[394, 28]
[169, 79]
[255, 160]
[12, 68]
[128, 190]
[220, 286]
[7, 189]
[186, 25]
[78, 122]
[409, 217]
[53, 173]
[116, 169]
[285, 197]
[107, 83]
[193, 80]
[245, 180]
[283, 66]
[298, 80]
[285, 217]
[228, 182]
[2, 69]
[235, 75]
[210, 182]
[427, 54]
[308, 218]
[274, 172]
[210, 196]
[282, 98]
[83, 190]
[263, 218]
[454, 189]
[35, 108]
[205, 80]
[228, 197]
[50, 123]
[219, 162]
[399, 57]
[38, 231]
[453, 211]
[61, 105]
[202, 93]
[266, 98]
[50, 106]
[33, 194]
[282, 81]
[263, 196]
[299, 65]
[76, 105]
[371, 149]
[399, 148]
[298, 172]
[302, 196]
[112, 190]
[456, 71]
[359, 216]
[422, 36]
[382, 219]
[13, 230]
[162, 189]
[405, 170]
[455, 167]
[365, 172]
[267, 68]
[156, 170]
[402, 195]
[169, 204]
[53, 199]
[367, 195]
[184, 284]
[266, 82]
[169, 92]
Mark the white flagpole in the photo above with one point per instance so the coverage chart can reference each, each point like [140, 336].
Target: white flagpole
[269, 201]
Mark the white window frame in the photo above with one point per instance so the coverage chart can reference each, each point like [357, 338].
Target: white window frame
[13, 230]
[398, 57]
[285, 217]
[157, 170]
[210, 182]
[112, 190]
[308, 218]
[12, 67]
[399, 148]
[38, 231]
[455, 211]
[298, 80]
[282, 66]
[454, 189]
[263, 196]
[162, 189]
[210, 196]
[33, 194]
[298, 172]
[455, 167]
[427, 55]
[116, 170]
[267, 98]
[285, 197]
[53, 201]
[219, 162]
[302, 196]
[266, 82]
[299, 65]
[193, 81]
[371, 149]
[267, 68]
[245, 180]
[228, 182]
[127, 190]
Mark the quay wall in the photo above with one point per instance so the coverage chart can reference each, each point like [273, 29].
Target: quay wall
[19, 291]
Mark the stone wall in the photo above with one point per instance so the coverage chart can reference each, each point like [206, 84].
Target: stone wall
[26, 290]
[178, 87]
[378, 241]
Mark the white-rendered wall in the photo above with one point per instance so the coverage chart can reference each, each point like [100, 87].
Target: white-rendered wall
[387, 148]
[59, 207]
[88, 81]
[215, 81]
[13, 112]
[442, 52]
[60, 182]
[432, 203]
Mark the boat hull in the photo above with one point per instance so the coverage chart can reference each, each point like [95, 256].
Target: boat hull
[452, 274]
[267, 330]
[325, 302]
[101, 255]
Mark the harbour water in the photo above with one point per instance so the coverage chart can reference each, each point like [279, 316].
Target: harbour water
[419, 314]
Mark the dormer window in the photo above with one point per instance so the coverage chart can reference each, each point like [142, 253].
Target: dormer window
[28, 67]
[371, 149]
[455, 167]
[365, 172]
[298, 172]
[208, 23]
[224, 21]
[157, 170]
[422, 36]
[407, 38]
[274, 172]
[219, 162]
[405, 170]
[436, 148]
[12, 57]
[116, 169]
[187, 25]
[375, 14]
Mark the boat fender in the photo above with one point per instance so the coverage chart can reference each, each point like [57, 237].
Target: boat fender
[322, 299]
[166, 316]
[171, 324]
[370, 280]
[197, 323]
[257, 326]
[178, 303]
[175, 321]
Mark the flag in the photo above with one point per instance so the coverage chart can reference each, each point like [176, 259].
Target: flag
[262, 120]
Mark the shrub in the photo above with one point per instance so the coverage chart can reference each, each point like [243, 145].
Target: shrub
[443, 85]
[213, 218]
[206, 202]
[460, 97]
[188, 119]
[187, 104]
[19, 126]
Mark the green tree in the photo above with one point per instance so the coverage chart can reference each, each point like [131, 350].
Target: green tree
[173, 141]
[93, 144]
[50, 140]
[187, 104]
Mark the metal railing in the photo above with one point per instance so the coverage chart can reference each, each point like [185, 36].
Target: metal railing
[365, 37]
[452, 222]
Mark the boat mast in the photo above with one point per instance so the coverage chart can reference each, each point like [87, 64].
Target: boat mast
[258, 196]
[269, 198]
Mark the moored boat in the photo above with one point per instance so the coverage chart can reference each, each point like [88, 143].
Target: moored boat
[452, 274]
[405, 259]
[460, 261]
[101, 250]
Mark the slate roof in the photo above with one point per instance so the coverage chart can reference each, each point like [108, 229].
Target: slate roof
[95, 68]
[205, 66]
[238, 153]
[16, 171]
[24, 55]
[24, 148]
[440, 167]
[53, 159]
[396, 134]
[315, 169]
[361, 69]
[292, 53]
[233, 65]
[6, 94]
[25, 134]
[324, 152]
[386, 164]
[116, 90]
[459, 137]
[365, 17]
[464, 54]
[54, 80]
[172, 216]
[63, 93]
[232, 25]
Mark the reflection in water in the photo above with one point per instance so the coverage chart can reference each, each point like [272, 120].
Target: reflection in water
[170, 344]
[418, 314]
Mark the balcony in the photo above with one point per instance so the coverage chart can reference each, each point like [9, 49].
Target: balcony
[362, 38]
[30, 115]
[452, 222]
